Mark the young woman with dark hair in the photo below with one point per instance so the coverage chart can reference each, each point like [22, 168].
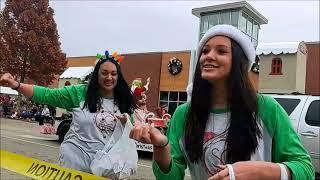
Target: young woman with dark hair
[96, 108]
[227, 130]
[101, 86]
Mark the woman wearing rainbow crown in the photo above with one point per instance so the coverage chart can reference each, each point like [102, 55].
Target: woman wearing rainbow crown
[97, 110]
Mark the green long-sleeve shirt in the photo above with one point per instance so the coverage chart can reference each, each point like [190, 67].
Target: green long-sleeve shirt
[279, 143]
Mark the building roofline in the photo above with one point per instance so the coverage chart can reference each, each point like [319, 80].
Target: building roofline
[312, 42]
[234, 5]
[139, 53]
[80, 56]
[277, 48]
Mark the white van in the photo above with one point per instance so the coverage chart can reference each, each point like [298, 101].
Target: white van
[304, 111]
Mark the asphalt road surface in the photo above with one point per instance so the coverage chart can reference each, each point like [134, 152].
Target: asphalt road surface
[24, 138]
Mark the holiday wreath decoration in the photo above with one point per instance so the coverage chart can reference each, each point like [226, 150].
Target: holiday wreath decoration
[256, 65]
[174, 66]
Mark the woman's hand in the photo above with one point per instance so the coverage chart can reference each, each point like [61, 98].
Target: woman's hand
[146, 133]
[247, 170]
[8, 80]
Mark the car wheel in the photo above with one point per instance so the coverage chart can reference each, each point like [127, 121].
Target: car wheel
[63, 131]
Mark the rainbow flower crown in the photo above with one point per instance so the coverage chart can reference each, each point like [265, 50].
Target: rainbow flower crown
[106, 55]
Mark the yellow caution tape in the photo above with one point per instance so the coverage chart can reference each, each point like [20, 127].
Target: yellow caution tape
[39, 169]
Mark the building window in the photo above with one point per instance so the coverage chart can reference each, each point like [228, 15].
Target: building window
[225, 18]
[276, 66]
[234, 18]
[213, 20]
[243, 23]
[172, 100]
[250, 27]
[255, 30]
[204, 24]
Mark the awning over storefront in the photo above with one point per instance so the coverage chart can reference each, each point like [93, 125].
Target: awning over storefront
[277, 48]
[6, 90]
[76, 72]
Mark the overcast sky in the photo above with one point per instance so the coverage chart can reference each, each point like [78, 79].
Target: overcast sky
[89, 27]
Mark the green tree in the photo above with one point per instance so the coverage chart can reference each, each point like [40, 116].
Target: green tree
[29, 41]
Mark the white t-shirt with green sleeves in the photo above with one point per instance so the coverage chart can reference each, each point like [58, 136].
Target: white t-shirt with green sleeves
[84, 138]
[279, 143]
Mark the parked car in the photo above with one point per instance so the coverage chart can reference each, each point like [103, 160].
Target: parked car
[304, 111]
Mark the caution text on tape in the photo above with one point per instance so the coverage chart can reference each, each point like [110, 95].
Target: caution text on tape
[39, 169]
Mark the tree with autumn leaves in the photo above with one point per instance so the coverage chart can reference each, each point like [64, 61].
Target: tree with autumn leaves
[29, 41]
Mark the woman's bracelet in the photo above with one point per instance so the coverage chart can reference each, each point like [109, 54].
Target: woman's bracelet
[16, 88]
[283, 172]
[232, 176]
[162, 145]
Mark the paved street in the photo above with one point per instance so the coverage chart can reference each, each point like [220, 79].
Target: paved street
[24, 138]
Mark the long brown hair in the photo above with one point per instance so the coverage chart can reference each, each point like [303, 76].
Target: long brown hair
[244, 127]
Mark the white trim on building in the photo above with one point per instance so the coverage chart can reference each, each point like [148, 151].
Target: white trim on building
[277, 48]
[76, 72]
[6, 90]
